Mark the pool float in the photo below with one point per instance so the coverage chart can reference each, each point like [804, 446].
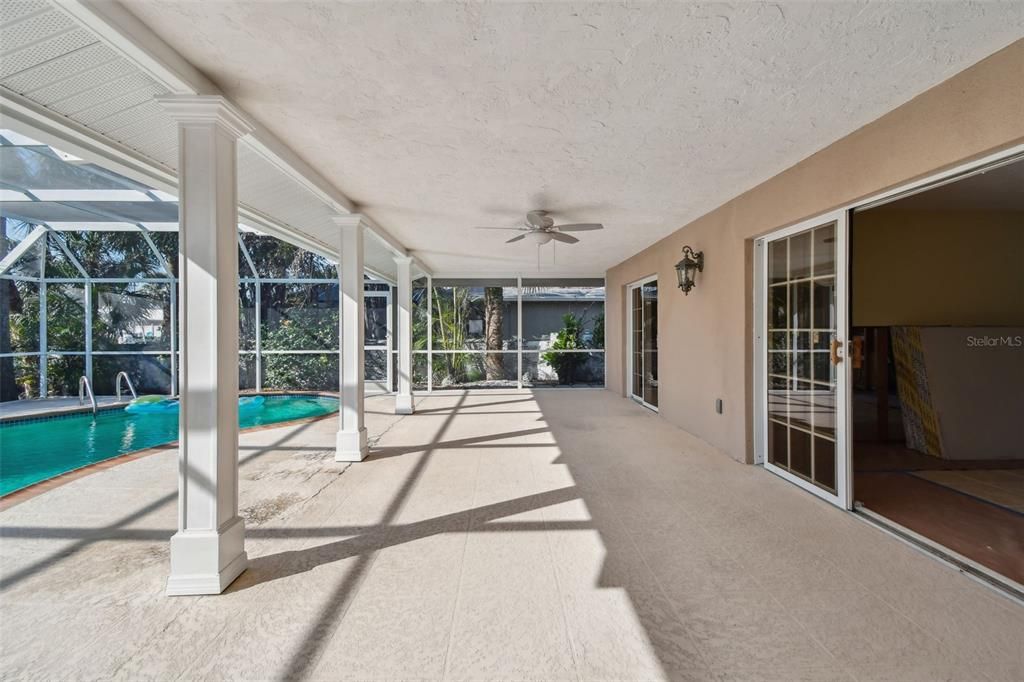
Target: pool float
[254, 402]
[152, 403]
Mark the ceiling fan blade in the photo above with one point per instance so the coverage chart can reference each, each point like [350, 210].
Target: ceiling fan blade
[565, 238]
[497, 228]
[516, 238]
[579, 227]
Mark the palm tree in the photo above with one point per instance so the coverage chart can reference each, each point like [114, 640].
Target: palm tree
[494, 304]
[451, 311]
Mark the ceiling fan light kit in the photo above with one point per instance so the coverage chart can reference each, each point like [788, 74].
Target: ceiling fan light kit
[541, 227]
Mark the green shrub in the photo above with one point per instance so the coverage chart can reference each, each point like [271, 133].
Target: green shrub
[569, 337]
[309, 329]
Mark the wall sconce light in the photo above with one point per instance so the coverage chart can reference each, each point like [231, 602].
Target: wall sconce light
[688, 267]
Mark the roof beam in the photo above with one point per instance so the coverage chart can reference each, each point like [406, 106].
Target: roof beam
[269, 226]
[525, 274]
[136, 42]
[23, 246]
[248, 257]
[125, 34]
[133, 40]
[48, 127]
[164, 264]
[120, 226]
[67, 252]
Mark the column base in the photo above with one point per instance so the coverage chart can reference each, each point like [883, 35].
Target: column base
[352, 446]
[404, 404]
[206, 562]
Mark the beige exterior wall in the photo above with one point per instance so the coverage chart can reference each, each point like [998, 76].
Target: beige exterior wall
[937, 268]
[705, 346]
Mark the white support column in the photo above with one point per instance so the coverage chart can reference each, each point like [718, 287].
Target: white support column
[403, 399]
[208, 551]
[351, 445]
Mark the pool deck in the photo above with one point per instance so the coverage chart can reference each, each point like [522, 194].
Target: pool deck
[22, 409]
[553, 535]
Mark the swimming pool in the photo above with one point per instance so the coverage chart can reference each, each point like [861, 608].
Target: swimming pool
[37, 449]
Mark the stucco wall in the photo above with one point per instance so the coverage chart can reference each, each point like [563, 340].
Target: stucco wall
[705, 338]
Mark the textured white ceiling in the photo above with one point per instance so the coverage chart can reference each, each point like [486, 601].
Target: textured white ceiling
[438, 117]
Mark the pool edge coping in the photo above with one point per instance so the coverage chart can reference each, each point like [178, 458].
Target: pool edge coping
[60, 413]
[78, 410]
[20, 495]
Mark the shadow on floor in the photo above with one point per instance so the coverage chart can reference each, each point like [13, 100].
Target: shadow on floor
[678, 655]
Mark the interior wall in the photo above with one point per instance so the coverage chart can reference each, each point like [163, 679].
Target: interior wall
[937, 268]
[975, 376]
[706, 347]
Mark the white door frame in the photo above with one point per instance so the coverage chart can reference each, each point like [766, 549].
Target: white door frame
[844, 477]
[629, 339]
[385, 386]
[843, 418]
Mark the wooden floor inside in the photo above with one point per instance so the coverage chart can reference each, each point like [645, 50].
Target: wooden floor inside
[976, 512]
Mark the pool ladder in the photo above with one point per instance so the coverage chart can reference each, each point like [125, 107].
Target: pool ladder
[127, 380]
[84, 387]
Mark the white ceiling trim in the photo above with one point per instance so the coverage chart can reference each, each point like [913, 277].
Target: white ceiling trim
[137, 43]
[28, 118]
[123, 33]
[62, 132]
[553, 273]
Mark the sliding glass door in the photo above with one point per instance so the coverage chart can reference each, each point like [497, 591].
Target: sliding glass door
[802, 377]
[643, 340]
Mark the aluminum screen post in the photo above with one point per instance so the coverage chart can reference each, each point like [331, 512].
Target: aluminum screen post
[403, 399]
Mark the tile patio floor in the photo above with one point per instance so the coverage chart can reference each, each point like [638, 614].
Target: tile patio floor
[493, 535]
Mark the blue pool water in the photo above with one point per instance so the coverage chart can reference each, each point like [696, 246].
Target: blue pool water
[33, 451]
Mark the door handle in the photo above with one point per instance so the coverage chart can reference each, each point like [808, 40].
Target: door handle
[833, 351]
[857, 351]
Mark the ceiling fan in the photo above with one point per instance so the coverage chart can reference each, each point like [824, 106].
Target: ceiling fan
[541, 227]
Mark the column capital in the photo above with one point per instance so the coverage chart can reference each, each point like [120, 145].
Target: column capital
[402, 260]
[206, 109]
[350, 220]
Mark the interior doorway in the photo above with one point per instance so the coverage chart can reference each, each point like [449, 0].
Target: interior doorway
[643, 342]
[937, 393]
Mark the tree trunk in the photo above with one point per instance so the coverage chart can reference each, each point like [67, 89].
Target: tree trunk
[494, 304]
[8, 385]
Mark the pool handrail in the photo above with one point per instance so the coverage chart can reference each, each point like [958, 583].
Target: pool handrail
[127, 380]
[85, 387]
